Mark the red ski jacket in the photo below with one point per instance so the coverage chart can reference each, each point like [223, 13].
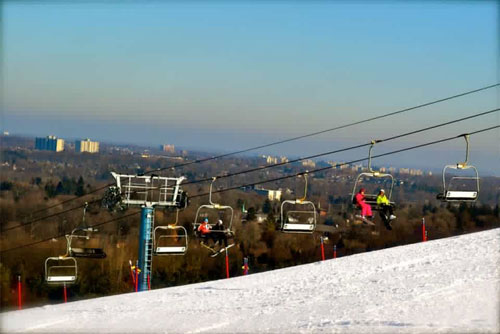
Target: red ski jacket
[204, 228]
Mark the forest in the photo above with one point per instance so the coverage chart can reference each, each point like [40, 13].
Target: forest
[43, 195]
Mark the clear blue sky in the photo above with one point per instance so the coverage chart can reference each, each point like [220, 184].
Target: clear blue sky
[224, 76]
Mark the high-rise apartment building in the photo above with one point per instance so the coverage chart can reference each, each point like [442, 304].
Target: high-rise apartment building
[167, 148]
[49, 143]
[87, 146]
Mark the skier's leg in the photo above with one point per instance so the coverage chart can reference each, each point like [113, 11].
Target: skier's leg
[366, 210]
[363, 210]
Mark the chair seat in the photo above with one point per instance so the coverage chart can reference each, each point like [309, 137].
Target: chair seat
[462, 196]
[95, 253]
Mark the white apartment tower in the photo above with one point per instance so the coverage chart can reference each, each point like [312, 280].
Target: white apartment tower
[87, 146]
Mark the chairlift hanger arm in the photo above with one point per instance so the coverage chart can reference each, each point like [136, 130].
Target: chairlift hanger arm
[464, 164]
[373, 142]
[300, 200]
[210, 193]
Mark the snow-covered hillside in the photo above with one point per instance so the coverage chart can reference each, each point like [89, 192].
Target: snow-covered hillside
[448, 285]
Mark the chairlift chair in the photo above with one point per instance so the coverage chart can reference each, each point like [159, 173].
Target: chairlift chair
[170, 239]
[81, 235]
[471, 183]
[214, 211]
[61, 270]
[381, 180]
[299, 215]
[81, 251]
[371, 197]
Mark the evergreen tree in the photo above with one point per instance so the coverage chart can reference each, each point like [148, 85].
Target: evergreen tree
[80, 190]
[267, 207]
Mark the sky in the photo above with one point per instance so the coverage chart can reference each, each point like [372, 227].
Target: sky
[222, 76]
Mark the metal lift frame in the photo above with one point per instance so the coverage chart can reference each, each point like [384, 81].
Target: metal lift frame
[144, 187]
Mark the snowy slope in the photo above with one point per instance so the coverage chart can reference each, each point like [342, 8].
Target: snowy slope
[447, 285]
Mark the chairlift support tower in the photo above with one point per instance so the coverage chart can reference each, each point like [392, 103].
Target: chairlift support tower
[148, 192]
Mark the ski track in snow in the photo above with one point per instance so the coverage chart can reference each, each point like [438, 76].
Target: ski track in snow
[441, 286]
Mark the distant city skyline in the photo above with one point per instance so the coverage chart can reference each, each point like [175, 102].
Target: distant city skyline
[223, 76]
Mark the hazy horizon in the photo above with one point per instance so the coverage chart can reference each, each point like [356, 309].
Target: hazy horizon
[432, 158]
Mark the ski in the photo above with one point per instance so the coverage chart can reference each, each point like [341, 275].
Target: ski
[221, 250]
[364, 220]
[208, 247]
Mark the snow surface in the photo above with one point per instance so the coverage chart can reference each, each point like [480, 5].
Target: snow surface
[446, 285]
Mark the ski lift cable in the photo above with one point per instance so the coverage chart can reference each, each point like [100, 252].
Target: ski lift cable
[49, 216]
[71, 199]
[347, 163]
[343, 149]
[278, 179]
[63, 235]
[328, 130]
[284, 141]
[291, 161]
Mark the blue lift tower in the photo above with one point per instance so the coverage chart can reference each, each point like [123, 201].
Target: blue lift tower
[148, 192]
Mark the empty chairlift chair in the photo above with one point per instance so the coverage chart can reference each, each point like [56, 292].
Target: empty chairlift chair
[299, 215]
[61, 270]
[81, 236]
[170, 239]
[80, 240]
[460, 188]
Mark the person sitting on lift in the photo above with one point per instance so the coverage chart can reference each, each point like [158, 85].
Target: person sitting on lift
[386, 207]
[205, 229]
[366, 209]
[206, 232]
[219, 236]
